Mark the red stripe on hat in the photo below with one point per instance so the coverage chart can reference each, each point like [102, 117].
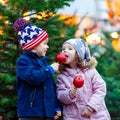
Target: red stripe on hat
[36, 41]
[35, 45]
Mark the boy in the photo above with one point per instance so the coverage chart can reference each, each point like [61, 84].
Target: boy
[35, 84]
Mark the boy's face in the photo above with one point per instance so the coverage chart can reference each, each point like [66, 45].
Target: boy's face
[42, 48]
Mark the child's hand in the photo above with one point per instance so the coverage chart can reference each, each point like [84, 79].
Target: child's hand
[57, 116]
[73, 91]
[55, 66]
[86, 113]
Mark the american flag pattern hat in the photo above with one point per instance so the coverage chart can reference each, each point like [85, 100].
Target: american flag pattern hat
[81, 47]
[29, 35]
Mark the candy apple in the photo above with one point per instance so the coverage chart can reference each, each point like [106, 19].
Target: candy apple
[60, 57]
[78, 81]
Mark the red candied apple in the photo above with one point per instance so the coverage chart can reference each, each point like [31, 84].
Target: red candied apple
[60, 57]
[78, 81]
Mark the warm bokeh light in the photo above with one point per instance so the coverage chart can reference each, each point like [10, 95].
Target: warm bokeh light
[114, 35]
[116, 7]
[93, 39]
[113, 8]
[1, 32]
[43, 15]
[6, 22]
[4, 2]
[26, 16]
[116, 44]
[40, 15]
[69, 20]
[110, 9]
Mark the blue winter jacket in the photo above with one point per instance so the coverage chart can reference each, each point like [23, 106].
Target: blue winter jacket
[36, 87]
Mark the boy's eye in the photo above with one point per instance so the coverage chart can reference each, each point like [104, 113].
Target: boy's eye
[45, 43]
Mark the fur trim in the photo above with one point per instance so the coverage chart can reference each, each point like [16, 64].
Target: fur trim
[92, 63]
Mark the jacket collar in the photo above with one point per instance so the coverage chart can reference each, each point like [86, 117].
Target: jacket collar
[73, 71]
[33, 54]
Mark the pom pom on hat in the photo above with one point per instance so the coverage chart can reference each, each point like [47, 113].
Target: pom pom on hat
[29, 35]
[19, 24]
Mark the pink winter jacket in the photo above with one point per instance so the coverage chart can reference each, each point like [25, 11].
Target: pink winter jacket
[92, 94]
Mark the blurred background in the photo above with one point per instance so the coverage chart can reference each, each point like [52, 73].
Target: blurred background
[96, 21]
[100, 15]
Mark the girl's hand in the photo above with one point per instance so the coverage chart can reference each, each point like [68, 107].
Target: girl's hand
[57, 116]
[86, 113]
[73, 91]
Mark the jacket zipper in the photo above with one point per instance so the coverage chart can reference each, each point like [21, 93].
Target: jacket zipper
[32, 97]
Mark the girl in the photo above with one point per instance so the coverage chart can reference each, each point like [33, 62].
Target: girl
[87, 102]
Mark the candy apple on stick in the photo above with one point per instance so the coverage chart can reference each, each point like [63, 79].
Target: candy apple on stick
[78, 82]
[60, 57]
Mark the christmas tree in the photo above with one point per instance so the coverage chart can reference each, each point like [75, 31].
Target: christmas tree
[42, 13]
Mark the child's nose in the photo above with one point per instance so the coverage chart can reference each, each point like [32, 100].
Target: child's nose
[63, 51]
[47, 46]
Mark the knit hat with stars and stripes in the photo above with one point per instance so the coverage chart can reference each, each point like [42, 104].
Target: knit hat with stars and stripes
[29, 35]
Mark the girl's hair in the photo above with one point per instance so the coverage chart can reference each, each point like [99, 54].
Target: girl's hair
[82, 64]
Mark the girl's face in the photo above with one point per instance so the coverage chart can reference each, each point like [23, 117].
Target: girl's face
[42, 48]
[71, 54]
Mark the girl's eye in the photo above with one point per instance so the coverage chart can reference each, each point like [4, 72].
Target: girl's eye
[67, 49]
[70, 48]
